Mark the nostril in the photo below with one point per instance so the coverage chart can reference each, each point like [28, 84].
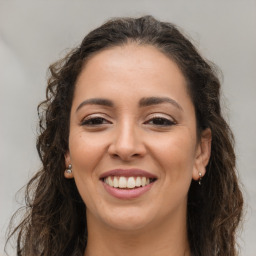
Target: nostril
[126, 147]
[114, 155]
[125, 157]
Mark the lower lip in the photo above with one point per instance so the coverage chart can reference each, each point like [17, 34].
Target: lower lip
[127, 193]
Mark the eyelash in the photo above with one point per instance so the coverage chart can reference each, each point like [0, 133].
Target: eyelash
[154, 121]
[94, 121]
[164, 122]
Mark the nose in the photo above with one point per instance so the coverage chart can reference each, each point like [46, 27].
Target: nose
[127, 143]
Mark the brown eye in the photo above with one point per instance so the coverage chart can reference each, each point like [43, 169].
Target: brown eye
[160, 121]
[95, 121]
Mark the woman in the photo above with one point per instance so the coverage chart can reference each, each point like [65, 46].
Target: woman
[137, 158]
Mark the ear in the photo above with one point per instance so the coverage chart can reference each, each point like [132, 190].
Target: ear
[68, 175]
[203, 153]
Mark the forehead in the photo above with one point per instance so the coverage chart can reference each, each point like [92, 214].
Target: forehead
[130, 68]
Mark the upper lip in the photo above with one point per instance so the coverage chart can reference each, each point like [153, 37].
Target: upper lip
[128, 173]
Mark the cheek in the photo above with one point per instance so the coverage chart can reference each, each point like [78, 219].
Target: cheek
[176, 154]
[85, 151]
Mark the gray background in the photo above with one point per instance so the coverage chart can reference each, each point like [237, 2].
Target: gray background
[33, 34]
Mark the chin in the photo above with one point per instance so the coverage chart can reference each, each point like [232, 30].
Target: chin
[128, 225]
[128, 220]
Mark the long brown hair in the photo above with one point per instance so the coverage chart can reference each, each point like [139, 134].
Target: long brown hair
[55, 222]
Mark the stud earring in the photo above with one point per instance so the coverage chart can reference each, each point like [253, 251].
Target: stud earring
[200, 178]
[69, 169]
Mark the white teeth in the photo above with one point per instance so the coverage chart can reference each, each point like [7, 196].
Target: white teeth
[122, 182]
[138, 182]
[115, 182]
[131, 182]
[126, 182]
[110, 181]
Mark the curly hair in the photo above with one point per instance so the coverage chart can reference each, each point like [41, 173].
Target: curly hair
[55, 222]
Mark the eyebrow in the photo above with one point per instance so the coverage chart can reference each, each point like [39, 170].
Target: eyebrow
[144, 102]
[96, 101]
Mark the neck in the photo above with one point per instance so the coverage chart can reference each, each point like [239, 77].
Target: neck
[166, 238]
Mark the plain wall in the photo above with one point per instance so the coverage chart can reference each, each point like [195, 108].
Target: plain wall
[34, 34]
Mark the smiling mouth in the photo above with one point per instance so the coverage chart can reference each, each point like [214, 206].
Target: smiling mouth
[132, 182]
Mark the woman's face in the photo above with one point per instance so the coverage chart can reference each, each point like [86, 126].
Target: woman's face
[132, 142]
